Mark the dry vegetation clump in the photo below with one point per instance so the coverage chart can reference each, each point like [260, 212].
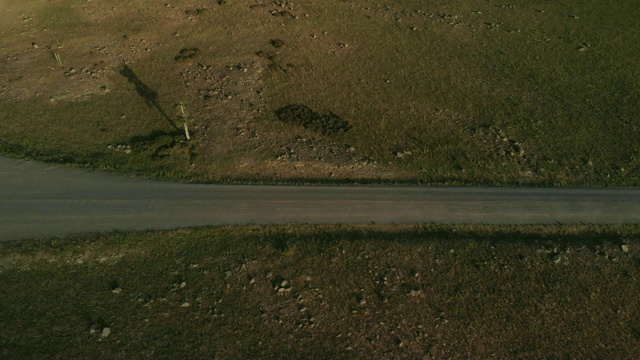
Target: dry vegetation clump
[330, 124]
[187, 54]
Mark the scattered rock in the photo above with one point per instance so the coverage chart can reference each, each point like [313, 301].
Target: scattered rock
[120, 148]
[400, 153]
[106, 332]
[185, 304]
[117, 290]
[281, 285]
[71, 72]
[625, 248]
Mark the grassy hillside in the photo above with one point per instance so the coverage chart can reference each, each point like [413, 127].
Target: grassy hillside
[540, 93]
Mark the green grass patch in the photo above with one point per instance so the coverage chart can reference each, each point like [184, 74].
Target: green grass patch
[462, 93]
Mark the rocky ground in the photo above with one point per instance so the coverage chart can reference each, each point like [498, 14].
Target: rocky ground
[381, 292]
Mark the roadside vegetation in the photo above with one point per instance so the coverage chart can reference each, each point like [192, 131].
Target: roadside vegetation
[467, 92]
[322, 292]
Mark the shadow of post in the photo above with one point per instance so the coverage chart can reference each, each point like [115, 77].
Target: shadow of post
[149, 95]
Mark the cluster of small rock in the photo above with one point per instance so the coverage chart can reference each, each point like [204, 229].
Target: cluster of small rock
[121, 148]
[96, 328]
[282, 286]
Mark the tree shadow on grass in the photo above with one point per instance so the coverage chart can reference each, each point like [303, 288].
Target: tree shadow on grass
[149, 95]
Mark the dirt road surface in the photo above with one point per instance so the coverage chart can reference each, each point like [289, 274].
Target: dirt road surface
[40, 200]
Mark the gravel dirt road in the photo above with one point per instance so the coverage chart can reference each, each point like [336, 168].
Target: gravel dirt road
[40, 200]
